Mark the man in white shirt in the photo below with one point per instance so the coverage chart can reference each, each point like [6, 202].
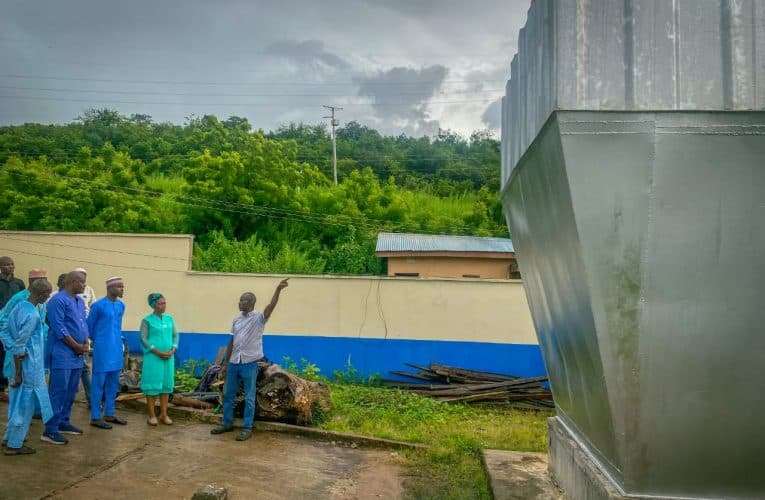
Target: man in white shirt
[241, 361]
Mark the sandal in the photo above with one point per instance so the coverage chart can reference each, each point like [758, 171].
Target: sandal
[221, 429]
[166, 420]
[24, 450]
[100, 424]
[115, 420]
[244, 435]
[152, 421]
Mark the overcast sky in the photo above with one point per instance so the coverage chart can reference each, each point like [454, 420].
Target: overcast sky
[408, 66]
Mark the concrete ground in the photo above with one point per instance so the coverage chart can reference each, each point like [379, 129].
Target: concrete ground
[515, 475]
[168, 462]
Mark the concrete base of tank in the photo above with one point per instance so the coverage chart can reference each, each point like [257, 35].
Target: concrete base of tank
[573, 470]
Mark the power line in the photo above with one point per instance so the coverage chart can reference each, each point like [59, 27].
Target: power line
[217, 50]
[300, 158]
[237, 104]
[421, 170]
[122, 252]
[96, 263]
[81, 261]
[294, 215]
[265, 212]
[230, 83]
[198, 94]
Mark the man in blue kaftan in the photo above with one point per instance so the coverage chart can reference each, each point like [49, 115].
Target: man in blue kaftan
[5, 312]
[105, 327]
[25, 344]
[68, 340]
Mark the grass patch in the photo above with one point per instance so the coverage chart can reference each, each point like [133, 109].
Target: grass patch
[456, 434]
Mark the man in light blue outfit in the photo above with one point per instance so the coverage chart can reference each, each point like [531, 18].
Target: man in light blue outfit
[5, 312]
[105, 327]
[26, 345]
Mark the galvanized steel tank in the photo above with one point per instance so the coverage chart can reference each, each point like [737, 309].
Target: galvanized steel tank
[633, 148]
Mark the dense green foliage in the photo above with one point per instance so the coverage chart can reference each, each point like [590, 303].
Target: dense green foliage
[257, 202]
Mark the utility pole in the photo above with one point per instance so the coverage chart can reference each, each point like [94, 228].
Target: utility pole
[334, 122]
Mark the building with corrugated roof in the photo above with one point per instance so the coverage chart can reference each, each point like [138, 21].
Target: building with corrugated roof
[447, 256]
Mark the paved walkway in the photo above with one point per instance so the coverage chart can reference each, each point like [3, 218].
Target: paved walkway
[168, 462]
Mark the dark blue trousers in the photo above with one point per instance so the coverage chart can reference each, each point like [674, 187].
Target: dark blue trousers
[62, 387]
[247, 374]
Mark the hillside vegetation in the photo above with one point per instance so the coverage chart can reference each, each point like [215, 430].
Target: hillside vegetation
[256, 201]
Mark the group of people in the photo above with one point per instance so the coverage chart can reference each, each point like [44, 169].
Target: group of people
[53, 332]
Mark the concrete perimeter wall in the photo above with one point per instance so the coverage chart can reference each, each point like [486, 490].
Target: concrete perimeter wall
[374, 323]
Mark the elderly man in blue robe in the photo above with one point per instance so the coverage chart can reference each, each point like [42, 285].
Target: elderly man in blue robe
[34, 275]
[105, 327]
[26, 345]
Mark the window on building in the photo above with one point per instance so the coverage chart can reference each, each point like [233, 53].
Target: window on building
[471, 275]
[410, 275]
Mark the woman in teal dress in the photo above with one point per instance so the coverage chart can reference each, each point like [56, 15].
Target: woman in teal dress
[160, 341]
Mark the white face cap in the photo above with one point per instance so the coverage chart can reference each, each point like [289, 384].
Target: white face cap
[81, 270]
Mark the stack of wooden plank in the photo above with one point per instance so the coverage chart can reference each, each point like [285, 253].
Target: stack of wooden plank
[452, 384]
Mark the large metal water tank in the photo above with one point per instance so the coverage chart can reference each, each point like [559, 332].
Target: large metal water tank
[634, 188]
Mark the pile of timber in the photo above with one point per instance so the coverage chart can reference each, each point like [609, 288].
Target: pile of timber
[452, 384]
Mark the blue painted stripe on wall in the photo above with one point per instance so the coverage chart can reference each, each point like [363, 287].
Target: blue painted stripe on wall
[370, 356]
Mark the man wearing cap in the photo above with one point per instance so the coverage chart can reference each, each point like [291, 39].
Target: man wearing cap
[9, 286]
[5, 312]
[68, 339]
[25, 331]
[10, 304]
[105, 327]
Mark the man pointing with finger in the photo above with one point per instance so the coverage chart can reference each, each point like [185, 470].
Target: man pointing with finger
[241, 361]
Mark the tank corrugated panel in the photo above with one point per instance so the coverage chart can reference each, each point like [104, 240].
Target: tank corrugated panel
[633, 55]
[700, 55]
[653, 41]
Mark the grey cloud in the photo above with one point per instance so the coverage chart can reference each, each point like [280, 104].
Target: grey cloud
[328, 54]
[306, 53]
[492, 117]
[408, 7]
[400, 96]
